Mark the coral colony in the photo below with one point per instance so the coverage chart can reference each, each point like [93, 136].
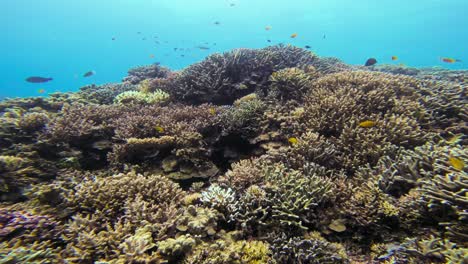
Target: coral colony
[272, 155]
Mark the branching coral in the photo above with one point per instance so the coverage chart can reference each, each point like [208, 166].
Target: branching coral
[302, 144]
[314, 249]
[287, 199]
[106, 93]
[369, 209]
[16, 174]
[244, 118]
[290, 83]
[119, 216]
[222, 78]
[243, 174]
[138, 74]
[110, 194]
[228, 251]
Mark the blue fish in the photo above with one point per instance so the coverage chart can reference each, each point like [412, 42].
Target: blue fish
[37, 79]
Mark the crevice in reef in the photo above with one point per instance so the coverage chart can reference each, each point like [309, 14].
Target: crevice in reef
[229, 149]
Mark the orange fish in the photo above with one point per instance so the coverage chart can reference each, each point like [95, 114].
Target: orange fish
[151, 55]
[394, 58]
[294, 35]
[449, 60]
[267, 28]
[41, 91]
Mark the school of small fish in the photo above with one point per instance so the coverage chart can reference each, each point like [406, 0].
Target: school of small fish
[205, 46]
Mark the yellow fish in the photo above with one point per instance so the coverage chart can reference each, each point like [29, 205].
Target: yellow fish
[212, 111]
[159, 129]
[292, 140]
[41, 91]
[367, 124]
[394, 58]
[294, 35]
[457, 163]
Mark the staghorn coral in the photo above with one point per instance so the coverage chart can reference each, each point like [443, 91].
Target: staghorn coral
[104, 94]
[222, 78]
[449, 192]
[109, 194]
[120, 215]
[244, 118]
[287, 199]
[35, 253]
[32, 122]
[16, 174]
[138, 74]
[432, 249]
[338, 103]
[77, 123]
[27, 227]
[290, 83]
[312, 249]
[228, 251]
[176, 247]
[378, 188]
[369, 209]
[26, 236]
[243, 174]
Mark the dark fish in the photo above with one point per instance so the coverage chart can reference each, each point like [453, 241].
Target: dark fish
[203, 47]
[88, 74]
[175, 49]
[324, 36]
[370, 62]
[157, 63]
[113, 38]
[232, 4]
[182, 55]
[138, 32]
[143, 39]
[269, 40]
[307, 47]
[157, 42]
[217, 23]
[37, 79]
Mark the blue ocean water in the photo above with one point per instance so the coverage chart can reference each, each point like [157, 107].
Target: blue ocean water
[65, 39]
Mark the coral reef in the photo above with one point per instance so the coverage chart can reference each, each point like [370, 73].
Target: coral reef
[271, 155]
[130, 97]
[138, 74]
[106, 93]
